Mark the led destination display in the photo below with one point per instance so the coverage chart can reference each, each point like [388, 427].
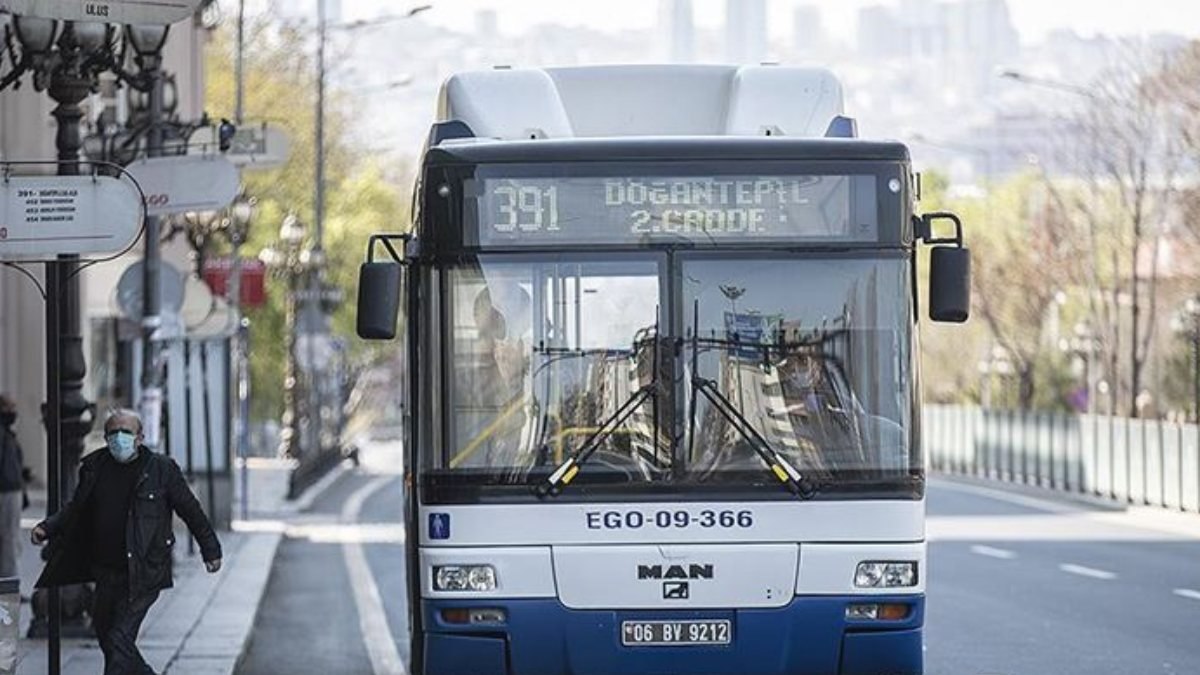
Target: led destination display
[621, 210]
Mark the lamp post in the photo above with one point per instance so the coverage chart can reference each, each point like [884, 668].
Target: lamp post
[315, 288]
[1082, 345]
[65, 60]
[241, 213]
[147, 43]
[284, 260]
[1186, 323]
[1047, 83]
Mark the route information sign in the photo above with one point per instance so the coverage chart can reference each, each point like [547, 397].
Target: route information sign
[44, 216]
[638, 210]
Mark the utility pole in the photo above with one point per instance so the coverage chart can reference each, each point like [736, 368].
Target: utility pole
[151, 402]
[240, 66]
[312, 304]
[238, 365]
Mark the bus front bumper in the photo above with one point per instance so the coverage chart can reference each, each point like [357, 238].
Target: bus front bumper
[811, 635]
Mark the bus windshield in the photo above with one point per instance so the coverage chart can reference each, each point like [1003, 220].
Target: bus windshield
[812, 352]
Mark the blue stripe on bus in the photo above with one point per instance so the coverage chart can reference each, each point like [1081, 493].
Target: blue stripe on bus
[543, 637]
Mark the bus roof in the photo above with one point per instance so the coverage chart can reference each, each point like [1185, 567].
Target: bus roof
[666, 149]
[646, 100]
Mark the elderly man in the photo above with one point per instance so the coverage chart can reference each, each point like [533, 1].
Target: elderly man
[117, 531]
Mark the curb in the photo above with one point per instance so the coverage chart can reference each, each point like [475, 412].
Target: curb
[313, 492]
[219, 639]
[1167, 521]
[225, 631]
[1045, 493]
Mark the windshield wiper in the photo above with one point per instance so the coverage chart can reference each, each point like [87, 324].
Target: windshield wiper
[565, 472]
[779, 466]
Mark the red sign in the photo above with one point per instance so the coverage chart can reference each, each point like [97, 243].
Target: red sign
[217, 272]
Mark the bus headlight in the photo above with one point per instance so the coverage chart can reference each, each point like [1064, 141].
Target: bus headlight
[886, 574]
[464, 578]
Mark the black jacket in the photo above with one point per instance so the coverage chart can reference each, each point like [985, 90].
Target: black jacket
[160, 490]
[12, 462]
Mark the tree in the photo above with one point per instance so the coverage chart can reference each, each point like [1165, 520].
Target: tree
[1125, 187]
[281, 88]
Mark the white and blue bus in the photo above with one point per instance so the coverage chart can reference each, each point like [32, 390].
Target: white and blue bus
[663, 413]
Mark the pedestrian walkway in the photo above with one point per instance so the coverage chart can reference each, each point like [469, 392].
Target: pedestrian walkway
[201, 626]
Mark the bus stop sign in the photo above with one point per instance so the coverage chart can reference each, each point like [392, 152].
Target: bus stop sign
[174, 185]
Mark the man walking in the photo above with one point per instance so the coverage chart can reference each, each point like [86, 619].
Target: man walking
[116, 531]
[12, 483]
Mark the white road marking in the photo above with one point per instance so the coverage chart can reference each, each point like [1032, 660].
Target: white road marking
[1187, 593]
[1087, 571]
[991, 552]
[377, 635]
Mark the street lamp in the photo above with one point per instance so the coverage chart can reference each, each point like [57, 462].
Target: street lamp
[64, 59]
[1186, 323]
[996, 362]
[200, 227]
[1082, 344]
[1048, 83]
[283, 258]
[147, 41]
[241, 213]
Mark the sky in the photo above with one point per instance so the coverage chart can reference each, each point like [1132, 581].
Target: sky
[1033, 18]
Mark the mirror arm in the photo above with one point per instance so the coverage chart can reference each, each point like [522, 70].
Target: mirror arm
[386, 240]
[923, 227]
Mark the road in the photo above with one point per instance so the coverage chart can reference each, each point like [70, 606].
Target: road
[1026, 586]
[317, 607]
[1018, 585]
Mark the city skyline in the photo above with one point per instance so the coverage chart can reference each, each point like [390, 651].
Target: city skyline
[913, 69]
[1033, 19]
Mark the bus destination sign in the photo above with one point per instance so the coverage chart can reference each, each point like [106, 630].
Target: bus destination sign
[712, 209]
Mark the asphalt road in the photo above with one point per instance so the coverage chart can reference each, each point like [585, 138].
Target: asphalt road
[1023, 586]
[1017, 586]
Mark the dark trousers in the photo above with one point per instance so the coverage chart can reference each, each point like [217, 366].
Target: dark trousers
[116, 618]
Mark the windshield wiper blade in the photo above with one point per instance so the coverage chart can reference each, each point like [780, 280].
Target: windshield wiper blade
[787, 474]
[779, 466]
[565, 472]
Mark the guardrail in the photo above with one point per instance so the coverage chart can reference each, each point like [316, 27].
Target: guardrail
[1151, 462]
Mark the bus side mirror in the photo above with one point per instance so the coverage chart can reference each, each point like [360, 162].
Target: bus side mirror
[949, 270]
[379, 291]
[949, 284]
[378, 299]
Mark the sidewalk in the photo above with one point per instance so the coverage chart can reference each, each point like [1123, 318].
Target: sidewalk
[201, 626]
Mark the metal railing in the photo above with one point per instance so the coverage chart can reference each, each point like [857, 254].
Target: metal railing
[1150, 462]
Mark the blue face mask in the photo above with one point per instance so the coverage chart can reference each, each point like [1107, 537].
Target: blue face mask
[122, 446]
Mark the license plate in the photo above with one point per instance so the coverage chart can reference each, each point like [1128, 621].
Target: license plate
[680, 633]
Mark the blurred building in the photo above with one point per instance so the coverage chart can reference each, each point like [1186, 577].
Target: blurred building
[675, 21]
[879, 33]
[746, 31]
[487, 24]
[808, 32]
[307, 10]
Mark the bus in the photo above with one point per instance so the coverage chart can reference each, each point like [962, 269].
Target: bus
[664, 407]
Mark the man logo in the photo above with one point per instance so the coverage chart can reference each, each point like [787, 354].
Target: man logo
[693, 571]
[675, 590]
